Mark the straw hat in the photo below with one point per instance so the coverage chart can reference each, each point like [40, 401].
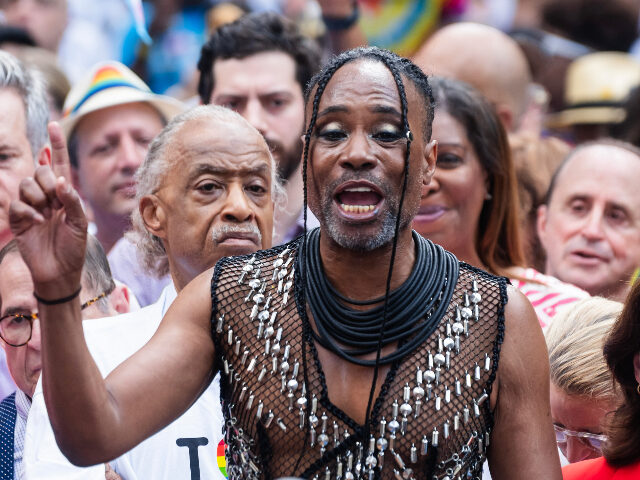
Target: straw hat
[109, 84]
[596, 86]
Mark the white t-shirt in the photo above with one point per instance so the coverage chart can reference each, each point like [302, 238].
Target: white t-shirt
[188, 444]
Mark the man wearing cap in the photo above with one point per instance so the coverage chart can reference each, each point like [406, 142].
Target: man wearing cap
[110, 117]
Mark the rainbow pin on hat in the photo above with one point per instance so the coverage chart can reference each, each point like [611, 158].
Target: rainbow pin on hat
[109, 84]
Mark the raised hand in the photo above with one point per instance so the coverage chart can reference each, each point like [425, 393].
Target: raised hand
[49, 224]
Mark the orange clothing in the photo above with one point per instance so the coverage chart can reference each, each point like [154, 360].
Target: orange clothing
[599, 469]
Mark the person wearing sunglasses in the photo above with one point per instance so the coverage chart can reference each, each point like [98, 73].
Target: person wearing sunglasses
[20, 334]
[582, 388]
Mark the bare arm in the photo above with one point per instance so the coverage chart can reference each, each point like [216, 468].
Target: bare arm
[95, 420]
[523, 443]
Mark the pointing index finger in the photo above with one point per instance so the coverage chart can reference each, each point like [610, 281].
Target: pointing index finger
[60, 155]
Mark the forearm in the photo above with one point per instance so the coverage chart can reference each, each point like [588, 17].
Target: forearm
[81, 411]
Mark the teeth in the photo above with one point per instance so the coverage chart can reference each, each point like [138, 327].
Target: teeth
[358, 189]
[357, 208]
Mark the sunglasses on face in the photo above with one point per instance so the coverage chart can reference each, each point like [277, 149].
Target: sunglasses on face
[591, 440]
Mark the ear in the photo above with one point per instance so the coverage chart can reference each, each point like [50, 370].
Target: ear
[430, 155]
[506, 117]
[153, 215]
[636, 366]
[119, 299]
[541, 225]
[44, 156]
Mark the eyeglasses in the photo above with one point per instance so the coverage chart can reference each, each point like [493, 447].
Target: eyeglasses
[16, 328]
[591, 440]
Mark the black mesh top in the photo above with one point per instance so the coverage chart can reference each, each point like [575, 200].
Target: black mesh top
[432, 417]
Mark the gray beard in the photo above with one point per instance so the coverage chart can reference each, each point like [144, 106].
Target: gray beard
[361, 242]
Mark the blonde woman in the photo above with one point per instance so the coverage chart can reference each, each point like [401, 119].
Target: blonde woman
[582, 387]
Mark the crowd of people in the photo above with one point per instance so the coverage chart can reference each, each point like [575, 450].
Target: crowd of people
[255, 243]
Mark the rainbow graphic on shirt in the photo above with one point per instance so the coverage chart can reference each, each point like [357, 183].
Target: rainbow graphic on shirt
[105, 77]
[222, 461]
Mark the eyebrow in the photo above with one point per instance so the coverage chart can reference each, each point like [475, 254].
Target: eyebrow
[205, 168]
[333, 109]
[17, 310]
[387, 109]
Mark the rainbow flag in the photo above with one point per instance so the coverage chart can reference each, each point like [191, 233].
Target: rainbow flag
[399, 25]
[135, 6]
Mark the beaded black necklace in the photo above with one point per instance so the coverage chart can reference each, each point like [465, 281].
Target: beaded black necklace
[413, 311]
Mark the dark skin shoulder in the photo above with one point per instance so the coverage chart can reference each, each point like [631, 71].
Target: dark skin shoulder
[523, 442]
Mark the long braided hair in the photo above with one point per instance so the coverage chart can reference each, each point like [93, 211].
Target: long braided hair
[399, 67]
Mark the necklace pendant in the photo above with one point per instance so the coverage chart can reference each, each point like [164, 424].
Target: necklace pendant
[383, 427]
[445, 430]
[465, 414]
[487, 362]
[220, 323]
[424, 445]
[269, 419]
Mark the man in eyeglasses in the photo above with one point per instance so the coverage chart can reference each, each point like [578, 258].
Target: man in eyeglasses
[20, 333]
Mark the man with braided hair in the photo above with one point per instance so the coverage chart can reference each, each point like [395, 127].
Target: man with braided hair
[359, 350]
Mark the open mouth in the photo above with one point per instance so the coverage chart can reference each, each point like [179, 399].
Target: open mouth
[358, 198]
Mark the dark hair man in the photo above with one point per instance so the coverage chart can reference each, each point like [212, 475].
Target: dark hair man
[427, 365]
[259, 66]
[20, 334]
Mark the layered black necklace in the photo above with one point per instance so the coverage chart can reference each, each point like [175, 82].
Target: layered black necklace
[413, 311]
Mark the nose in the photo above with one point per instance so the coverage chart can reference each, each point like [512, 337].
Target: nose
[130, 154]
[358, 154]
[34, 342]
[254, 113]
[576, 450]
[237, 207]
[592, 229]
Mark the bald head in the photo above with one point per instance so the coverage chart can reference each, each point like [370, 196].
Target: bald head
[485, 58]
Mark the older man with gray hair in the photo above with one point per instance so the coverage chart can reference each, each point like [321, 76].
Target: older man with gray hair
[205, 190]
[24, 113]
